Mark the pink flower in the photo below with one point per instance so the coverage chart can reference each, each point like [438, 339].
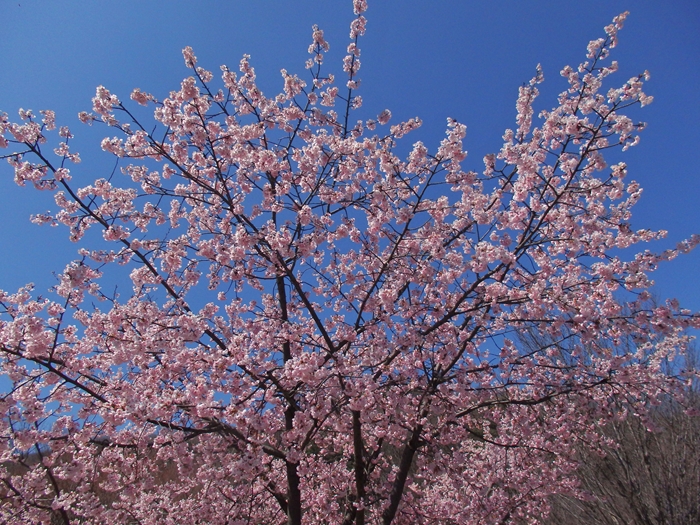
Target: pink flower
[190, 59]
[384, 117]
[359, 6]
[49, 119]
[139, 97]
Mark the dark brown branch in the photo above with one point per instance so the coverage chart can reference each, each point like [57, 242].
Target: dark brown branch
[409, 452]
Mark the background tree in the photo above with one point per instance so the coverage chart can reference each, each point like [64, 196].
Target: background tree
[650, 471]
[319, 331]
[652, 477]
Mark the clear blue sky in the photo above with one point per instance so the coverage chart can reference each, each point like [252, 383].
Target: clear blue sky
[432, 59]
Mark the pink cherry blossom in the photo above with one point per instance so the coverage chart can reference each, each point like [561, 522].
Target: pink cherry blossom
[316, 329]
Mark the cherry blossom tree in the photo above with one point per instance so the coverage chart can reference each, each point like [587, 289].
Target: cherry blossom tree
[317, 329]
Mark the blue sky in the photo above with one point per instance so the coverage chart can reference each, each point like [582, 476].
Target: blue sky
[432, 59]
